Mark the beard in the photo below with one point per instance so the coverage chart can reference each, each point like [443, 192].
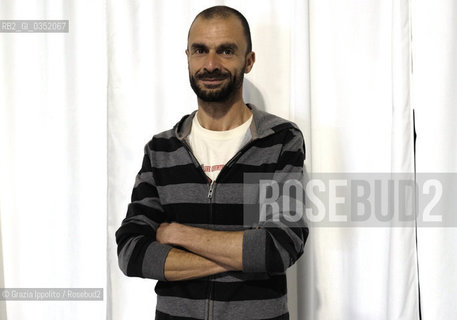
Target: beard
[214, 93]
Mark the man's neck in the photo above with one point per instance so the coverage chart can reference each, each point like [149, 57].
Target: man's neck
[221, 116]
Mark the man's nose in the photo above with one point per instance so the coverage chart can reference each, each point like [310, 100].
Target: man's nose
[212, 62]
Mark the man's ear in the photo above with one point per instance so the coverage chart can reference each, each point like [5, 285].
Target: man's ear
[250, 59]
[187, 53]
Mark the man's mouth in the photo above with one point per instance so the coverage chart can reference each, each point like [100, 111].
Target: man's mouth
[212, 79]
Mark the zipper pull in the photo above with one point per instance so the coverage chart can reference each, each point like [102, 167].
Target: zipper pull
[210, 192]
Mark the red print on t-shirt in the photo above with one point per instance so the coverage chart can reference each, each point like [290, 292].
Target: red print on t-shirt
[216, 167]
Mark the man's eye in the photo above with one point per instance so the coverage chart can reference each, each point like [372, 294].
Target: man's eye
[227, 51]
[199, 51]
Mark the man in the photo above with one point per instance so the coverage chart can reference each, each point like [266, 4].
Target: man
[185, 225]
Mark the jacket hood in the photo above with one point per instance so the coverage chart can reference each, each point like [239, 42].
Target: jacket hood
[263, 124]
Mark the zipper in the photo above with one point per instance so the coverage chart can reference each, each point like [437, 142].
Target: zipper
[211, 284]
[209, 313]
[210, 192]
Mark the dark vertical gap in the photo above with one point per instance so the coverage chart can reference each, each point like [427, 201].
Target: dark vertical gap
[415, 204]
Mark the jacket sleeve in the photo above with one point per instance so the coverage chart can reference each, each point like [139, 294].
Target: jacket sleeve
[139, 254]
[275, 245]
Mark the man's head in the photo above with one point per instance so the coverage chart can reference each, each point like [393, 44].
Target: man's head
[219, 52]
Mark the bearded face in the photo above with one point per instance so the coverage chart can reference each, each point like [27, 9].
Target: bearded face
[217, 58]
[217, 85]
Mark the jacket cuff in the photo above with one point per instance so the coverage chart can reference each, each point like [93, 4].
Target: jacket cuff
[254, 242]
[154, 260]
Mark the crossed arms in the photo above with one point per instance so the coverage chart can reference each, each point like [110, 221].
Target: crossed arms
[209, 252]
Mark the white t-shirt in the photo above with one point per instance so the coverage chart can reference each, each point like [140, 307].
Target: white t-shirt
[213, 149]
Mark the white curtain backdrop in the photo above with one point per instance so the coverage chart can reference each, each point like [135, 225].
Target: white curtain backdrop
[53, 157]
[435, 101]
[77, 108]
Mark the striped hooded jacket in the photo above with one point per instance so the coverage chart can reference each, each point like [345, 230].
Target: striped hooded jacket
[171, 186]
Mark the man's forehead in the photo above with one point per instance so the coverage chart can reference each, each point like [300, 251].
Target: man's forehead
[216, 30]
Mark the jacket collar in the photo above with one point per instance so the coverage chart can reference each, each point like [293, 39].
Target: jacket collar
[263, 124]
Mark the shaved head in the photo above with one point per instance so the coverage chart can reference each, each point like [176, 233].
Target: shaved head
[224, 12]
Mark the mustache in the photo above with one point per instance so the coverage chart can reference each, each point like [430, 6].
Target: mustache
[215, 75]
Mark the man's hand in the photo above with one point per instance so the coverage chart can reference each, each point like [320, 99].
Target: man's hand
[172, 233]
[165, 233]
